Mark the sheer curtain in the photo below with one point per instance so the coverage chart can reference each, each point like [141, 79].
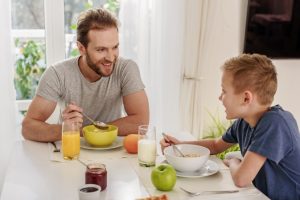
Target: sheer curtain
[140, 41]
[7, 100]
[199, 23]
[152, 35]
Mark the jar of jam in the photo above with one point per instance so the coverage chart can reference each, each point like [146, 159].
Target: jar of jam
[96, 174]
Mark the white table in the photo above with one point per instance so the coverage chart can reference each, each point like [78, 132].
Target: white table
[31, 175]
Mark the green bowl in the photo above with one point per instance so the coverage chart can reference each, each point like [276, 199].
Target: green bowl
[98, 137]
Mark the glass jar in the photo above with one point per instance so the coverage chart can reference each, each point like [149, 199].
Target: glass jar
[96, 174]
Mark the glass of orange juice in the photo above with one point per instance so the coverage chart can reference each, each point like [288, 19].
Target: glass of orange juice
[70, 140]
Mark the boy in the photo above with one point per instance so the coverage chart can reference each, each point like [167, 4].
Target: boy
[268, 136]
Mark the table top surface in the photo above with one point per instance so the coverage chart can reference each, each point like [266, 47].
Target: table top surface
[35, 172]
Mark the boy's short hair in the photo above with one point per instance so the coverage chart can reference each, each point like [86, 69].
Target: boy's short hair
[94, 19]
[253, 72]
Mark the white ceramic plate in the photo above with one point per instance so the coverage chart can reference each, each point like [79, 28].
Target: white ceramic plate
[116, 144]
[209, 168]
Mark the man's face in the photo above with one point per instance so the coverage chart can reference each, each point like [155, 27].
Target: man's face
[102, 50]
[232, 102]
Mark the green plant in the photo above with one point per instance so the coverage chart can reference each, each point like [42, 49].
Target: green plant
[112, 5]
[29, 68]
[216, 130]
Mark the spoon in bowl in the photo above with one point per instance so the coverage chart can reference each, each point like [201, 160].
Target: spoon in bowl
[175, 148]
[97, 124]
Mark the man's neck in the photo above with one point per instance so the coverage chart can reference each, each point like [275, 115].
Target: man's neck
[86, 71]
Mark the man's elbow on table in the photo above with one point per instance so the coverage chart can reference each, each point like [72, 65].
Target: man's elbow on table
[25, 129]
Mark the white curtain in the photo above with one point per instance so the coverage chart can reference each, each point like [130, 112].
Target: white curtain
[8, 96]
[198, 14]
[140, 41]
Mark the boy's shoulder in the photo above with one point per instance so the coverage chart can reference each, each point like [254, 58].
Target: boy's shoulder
[277, 112]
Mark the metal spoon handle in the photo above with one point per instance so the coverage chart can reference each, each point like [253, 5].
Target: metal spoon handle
[175, 148]
[88, 118]
[82, 162]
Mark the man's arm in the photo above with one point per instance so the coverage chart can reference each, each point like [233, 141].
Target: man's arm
[34, 126]
[243, 172]
[137, 108]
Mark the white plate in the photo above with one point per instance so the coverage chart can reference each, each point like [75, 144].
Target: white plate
[116, 144]
[209, 168]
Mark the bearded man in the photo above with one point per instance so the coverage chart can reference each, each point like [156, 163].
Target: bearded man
[98, 83]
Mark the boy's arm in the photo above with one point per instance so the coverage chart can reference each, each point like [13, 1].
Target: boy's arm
[243, 172]
[214, 145]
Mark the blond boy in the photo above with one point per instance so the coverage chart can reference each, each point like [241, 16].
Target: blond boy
[268, 136]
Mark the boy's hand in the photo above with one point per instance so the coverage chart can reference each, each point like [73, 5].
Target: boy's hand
[167, 141]
[230, 161]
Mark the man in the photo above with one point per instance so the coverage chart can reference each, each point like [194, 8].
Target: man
[97, 82]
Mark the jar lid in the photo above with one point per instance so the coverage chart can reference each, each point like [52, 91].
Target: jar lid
[96, 166]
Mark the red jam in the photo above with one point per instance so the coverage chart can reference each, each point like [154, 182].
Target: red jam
[96, 174]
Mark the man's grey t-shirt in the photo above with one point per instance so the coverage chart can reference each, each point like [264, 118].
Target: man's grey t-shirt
[101, 100]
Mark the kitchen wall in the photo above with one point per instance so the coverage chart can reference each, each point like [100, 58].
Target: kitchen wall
[225, 41]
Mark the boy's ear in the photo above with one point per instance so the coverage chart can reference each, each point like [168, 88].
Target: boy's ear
[81, 48]
[248, 97]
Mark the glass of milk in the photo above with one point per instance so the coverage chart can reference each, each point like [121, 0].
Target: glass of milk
[147, 145]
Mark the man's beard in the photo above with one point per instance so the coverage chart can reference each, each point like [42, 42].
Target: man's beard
[97, 69]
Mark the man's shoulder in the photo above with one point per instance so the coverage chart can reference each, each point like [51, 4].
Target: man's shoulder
[123, 62]
[65, 64]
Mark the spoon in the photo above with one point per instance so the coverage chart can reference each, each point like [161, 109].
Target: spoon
[83, 163]
[175, 148]
[97, 124]
[55, 147]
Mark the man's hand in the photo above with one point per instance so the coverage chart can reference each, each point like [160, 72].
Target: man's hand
[73, 113]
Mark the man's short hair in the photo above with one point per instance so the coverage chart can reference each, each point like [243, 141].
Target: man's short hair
[253, 72]
[94, 19]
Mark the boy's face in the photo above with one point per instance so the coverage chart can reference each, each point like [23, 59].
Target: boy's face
[232, 102]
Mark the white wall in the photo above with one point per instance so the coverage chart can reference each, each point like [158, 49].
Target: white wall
[171, 43]
[225, 41]
[288, 94]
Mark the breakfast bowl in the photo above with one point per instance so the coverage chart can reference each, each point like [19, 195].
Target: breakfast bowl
[99, 137]
[195, 156]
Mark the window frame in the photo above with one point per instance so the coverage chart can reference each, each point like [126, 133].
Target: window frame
[54, 35]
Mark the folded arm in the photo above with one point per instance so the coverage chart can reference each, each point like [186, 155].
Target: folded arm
[34, 125]
[243, 172]
[137, 108]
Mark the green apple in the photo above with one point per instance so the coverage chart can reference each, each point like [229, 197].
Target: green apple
[163, 177]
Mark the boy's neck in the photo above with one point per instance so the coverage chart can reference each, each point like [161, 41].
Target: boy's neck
[255, 114]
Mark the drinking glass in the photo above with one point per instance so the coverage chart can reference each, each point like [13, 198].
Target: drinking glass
[147, 145]
[70, 140]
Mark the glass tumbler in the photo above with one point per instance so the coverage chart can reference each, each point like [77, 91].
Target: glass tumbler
[147, 145]
[70, 140]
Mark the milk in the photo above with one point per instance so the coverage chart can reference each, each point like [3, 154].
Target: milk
[147, 152]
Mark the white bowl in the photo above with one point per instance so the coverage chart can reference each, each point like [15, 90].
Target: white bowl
[187, 164]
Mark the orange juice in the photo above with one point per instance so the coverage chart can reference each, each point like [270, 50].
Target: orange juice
[70, 145]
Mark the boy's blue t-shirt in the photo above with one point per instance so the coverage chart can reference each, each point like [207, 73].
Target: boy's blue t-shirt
[276, 137]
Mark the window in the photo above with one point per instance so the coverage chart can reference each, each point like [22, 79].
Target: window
[42, 37]
[29, 38]
[72, 9]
